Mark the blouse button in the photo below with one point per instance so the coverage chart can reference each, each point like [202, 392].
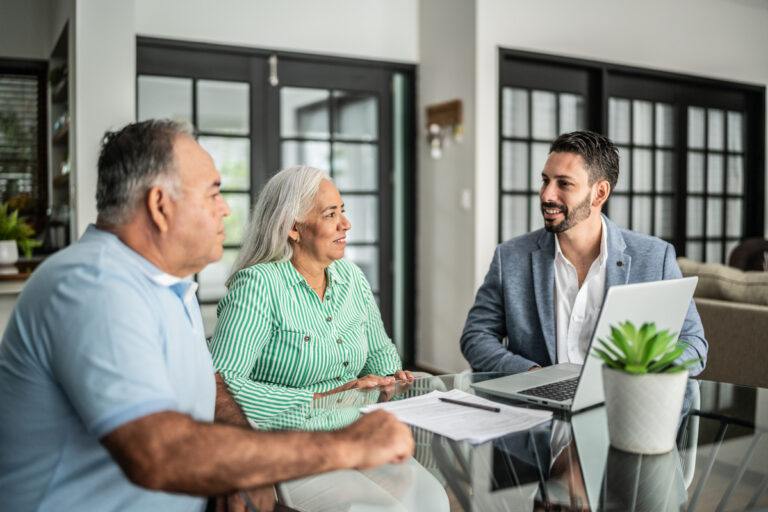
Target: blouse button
[328, 319]
[346, 363]
[338, 378]
[306, 338]
[339, 340]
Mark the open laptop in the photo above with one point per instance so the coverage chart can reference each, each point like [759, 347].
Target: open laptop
[576, 387]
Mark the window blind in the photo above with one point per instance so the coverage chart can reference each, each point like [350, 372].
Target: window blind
[19, 140]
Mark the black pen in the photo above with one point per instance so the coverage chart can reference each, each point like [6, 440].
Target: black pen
[470, 404]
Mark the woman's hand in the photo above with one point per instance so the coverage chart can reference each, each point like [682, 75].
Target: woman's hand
[404, 375]
[368, 381]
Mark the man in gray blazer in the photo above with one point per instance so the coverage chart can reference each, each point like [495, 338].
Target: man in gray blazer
[544, 290]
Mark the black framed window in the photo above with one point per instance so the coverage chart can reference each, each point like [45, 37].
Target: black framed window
[532, 119]
[260, 111]
[338, 130]
[220, 111]
[644, 132]
[715, 182]
[538, 101]
[692, 150]
[23, 138]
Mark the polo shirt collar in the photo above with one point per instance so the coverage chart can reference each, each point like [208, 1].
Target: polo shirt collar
[184, 288]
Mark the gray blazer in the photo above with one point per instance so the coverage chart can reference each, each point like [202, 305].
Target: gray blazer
[517, 299]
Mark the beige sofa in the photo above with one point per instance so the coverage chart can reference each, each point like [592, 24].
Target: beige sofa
[734, 310]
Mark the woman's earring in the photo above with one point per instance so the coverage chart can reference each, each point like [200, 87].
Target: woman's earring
[298, 239]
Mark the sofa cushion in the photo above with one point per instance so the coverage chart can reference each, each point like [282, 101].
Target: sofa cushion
[718, 281]
[736, 334]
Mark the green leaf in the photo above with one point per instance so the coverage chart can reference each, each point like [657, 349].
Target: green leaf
[13, 227]
[629, 330]
[620, 341]
[636, 368]
[646, 333]
[643, 350]
[684, 365]
[607, 359]
[658, 345]
[665, 360]
[611, 351]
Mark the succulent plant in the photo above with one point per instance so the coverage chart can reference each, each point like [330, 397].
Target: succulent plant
[642, 350]
[14, 228]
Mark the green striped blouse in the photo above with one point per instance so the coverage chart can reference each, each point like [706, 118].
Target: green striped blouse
[276, 344]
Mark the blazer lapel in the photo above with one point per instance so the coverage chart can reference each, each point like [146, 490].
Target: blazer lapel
[618, 260]
[543, 271]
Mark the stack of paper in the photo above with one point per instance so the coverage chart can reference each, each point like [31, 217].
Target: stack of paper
[461, 422]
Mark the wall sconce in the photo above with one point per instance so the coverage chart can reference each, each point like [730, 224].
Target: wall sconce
[443, 125]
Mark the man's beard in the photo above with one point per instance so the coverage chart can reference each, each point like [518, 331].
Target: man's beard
[579, 213]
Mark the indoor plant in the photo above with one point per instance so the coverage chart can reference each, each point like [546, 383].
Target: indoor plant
[644, 386]
[14, 231]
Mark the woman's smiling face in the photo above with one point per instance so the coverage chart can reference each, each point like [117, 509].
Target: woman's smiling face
[323, 232]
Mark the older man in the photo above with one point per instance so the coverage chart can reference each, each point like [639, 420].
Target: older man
[108, 397]
[544, 290]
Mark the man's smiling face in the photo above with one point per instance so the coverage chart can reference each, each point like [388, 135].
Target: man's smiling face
[566, 194]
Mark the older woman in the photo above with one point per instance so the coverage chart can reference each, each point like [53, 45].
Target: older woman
[299, 321]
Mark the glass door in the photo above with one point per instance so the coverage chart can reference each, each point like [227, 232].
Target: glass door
[339, 118]
[257, 112]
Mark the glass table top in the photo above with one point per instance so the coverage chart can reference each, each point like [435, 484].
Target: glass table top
[720, 462]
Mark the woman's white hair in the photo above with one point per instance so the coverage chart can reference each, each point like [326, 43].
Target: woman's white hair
[286, 199]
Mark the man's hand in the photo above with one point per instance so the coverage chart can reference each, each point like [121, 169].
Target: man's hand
[262, 497]
[375, 439]
[534, 368]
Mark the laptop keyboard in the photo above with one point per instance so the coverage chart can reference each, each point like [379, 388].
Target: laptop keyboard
[561, 390]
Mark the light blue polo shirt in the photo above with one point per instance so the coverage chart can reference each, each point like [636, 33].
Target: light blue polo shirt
[99, 337]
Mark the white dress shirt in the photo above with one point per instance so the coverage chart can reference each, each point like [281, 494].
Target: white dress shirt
[577, 309]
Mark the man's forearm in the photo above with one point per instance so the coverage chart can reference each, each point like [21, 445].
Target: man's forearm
[209, 459]
[227, 410]
[172, 452]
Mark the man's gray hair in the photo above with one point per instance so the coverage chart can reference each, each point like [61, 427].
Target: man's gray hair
[134, 159]
[286, 199]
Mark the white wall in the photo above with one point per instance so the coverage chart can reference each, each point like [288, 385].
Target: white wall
[105, 90]
[371, 29]
[446, 234]
[24, 29]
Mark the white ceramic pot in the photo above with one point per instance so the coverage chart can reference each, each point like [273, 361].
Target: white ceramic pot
[643, 411]
[9, 254]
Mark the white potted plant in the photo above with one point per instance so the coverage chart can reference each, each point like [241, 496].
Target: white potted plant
[15, 233]
[644, 386]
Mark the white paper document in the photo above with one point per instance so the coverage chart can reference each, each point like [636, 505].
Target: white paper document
[460, 422]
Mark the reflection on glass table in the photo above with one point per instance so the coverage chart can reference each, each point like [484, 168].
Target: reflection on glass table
[720, 462]
[395, 487]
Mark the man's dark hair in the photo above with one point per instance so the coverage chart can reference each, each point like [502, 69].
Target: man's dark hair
[600, 154]
[132, 160]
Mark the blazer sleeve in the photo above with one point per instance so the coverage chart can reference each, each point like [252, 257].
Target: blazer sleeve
[485, 329]
[692, 332]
